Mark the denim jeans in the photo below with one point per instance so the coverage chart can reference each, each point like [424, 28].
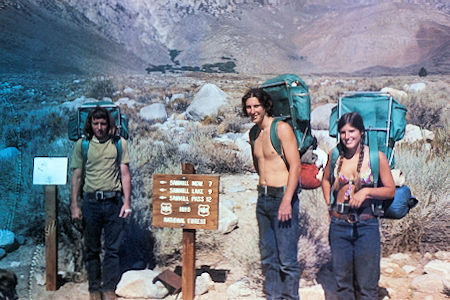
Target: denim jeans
[98, 216]
[355, 250]
[278, 247]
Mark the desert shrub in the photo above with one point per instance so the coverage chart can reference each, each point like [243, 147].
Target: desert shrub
[425, 111]
[313, 233]
[247, 256]
[425, 227]
[167, 245]
[211, 157]
[179, 104]
[101, 87]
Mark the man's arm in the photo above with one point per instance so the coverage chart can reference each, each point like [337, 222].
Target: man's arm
[75, 190]
[125, 178]
[289, 146]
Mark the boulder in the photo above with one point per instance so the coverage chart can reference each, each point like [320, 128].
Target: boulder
[154, 112]
[7, 239]
[438, 267]
[428, 283]
[227, 219]
[139, 284]
[391, 269]
[73, 105]
[203, 284]
[442, 255]
[126, 101]
[413, 133]
[176, 96]
[206, 102]
[240, 289]
[320, 116]
[315, 292]
[415, 87]
[397, 94]
[324, 140]
[9, 154]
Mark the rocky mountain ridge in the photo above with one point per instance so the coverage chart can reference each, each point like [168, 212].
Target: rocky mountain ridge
[257, 36]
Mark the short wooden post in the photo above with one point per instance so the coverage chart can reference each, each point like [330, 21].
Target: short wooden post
[188, 255]
[51, 244]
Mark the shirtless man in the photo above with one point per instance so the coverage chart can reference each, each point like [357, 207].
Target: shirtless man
[277, 209]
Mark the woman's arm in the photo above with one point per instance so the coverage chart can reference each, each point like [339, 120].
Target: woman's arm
[326, 183]
[384, 192]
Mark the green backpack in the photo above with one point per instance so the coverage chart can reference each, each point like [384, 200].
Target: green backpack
[291, 104]
[385, 123]
[76, 124]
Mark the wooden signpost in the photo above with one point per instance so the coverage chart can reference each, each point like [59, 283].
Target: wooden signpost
[50, 172]
[190, 202]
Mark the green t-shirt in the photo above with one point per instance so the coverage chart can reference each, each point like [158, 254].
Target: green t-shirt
[102, 172]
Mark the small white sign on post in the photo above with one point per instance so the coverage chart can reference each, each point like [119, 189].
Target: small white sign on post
[50, 170]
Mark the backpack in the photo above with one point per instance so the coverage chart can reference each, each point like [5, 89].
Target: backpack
[76, 124]
[291, 104]
[385, 123]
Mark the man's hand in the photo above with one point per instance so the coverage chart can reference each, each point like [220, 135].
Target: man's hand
[125, 211]
[285, 211]
[76, 213]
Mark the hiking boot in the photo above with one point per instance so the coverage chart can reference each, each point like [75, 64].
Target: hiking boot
[95, 296]
[109, 296]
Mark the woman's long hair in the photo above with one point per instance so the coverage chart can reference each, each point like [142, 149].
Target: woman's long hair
[354, 119]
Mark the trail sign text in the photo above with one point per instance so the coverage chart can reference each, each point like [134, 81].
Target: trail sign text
[187, 201]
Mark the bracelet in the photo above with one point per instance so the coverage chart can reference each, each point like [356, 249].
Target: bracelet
[128, 210]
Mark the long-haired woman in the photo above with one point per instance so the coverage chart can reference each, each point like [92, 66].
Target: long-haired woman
[354, 229]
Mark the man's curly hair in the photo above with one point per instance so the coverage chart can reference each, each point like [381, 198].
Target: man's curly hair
[263, 98]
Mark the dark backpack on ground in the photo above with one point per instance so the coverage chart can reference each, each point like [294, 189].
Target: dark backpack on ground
[385, 123]
[76, 124]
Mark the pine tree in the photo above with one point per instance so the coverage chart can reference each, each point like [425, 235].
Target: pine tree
[423, 72]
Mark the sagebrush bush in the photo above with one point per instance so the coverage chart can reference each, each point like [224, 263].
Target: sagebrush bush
[313, 233]
[424, 111]
[101, 86]
[425, 227]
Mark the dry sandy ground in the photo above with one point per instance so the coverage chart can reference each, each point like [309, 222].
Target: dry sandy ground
[241, 190]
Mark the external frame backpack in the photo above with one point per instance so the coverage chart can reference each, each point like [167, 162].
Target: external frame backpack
[385, 123]
[291, 104]
[76, 124]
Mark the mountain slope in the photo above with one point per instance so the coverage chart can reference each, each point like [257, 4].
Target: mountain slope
[265, 36]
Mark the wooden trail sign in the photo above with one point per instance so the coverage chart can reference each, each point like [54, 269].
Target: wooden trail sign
[188, 201]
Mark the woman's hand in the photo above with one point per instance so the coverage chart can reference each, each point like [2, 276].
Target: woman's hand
[358, 198]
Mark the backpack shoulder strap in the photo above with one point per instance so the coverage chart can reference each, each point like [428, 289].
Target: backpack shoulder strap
[118, 143]
[84, 150]
[275, 140]
[374, 156]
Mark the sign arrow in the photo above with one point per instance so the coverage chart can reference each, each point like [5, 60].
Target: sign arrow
[163, 182]
[162, 190]
[162, 197]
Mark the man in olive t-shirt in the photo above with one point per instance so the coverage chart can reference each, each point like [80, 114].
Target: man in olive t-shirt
[105, 182]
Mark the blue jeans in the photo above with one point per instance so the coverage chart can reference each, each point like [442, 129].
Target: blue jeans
[278, 247]
[98, 216]
[355, 250]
